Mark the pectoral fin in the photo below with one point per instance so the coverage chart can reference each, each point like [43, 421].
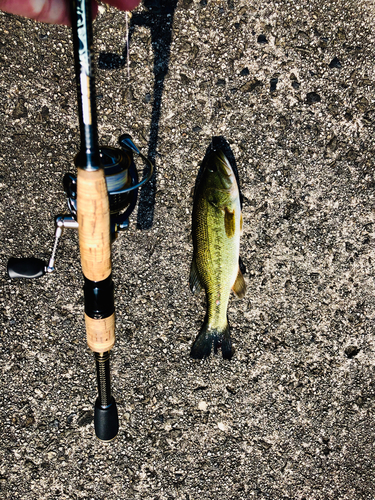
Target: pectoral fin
[194, 282]
[230, 223]
[239, 287]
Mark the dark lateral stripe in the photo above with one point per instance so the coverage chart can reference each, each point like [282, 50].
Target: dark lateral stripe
[99, 298]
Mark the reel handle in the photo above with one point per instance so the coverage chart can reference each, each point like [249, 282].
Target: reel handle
[29, 267]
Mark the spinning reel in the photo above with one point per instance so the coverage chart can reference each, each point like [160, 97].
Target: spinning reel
[122, 185]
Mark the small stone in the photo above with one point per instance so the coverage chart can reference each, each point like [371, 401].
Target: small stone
[202, 405]
[296, 85]
[223, 427]
[245, 72]
[128, 96]
[262, 39]
[220, 83]
[273, 84]
[312, 98]
[335, 63]
[351, 351]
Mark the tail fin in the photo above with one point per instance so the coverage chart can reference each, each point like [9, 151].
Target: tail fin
[202, 346]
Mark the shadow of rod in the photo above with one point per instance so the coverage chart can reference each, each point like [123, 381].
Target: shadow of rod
[159, 18]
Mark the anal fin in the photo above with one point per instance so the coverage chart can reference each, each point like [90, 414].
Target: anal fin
[239, 287]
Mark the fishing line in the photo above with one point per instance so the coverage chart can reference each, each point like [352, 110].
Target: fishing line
[127, 17]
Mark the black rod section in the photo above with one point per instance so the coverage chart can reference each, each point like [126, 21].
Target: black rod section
[81, 17]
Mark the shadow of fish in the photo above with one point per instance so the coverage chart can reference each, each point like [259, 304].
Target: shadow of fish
[217, 224]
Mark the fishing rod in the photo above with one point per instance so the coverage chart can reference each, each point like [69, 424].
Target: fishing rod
[100, 199]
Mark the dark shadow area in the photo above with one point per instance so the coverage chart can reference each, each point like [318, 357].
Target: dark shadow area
[159, 18]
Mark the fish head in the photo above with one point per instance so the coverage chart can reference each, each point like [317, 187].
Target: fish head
[219, 171]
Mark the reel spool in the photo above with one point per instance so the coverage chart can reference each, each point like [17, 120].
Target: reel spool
[116, 165]
[121, 178]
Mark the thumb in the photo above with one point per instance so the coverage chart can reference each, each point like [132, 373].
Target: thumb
[47, 11]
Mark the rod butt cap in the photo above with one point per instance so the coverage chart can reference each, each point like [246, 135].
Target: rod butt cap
[106, 421]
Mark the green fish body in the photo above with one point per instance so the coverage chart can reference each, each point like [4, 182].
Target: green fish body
[217, 224]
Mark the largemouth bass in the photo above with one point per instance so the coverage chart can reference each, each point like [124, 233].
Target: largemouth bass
[217, 224]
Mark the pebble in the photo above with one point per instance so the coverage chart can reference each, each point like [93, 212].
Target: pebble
[262, 39]
[335, 63]
[273, 84]
[312, 98]
[223, 427]
[351, 351]
[202, 405]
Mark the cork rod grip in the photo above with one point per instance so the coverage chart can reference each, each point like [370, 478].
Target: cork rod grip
[100, 333]
[93, 224]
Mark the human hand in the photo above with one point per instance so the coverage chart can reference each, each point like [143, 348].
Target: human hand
[55, 11]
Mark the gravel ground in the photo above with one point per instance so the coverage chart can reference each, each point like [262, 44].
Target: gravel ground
[289, 86]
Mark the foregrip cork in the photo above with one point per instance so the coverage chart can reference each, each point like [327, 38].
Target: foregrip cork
[95, 246]
[93, 224]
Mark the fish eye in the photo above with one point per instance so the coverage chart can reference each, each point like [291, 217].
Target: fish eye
[212, 168]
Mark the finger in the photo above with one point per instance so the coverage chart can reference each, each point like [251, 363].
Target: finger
[48, 11]
[54, 11]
